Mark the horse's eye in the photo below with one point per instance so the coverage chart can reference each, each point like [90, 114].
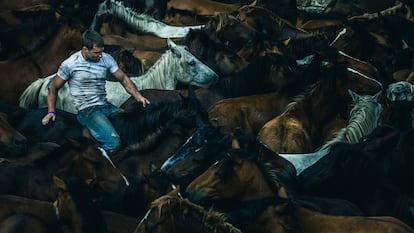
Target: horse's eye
[191, 63]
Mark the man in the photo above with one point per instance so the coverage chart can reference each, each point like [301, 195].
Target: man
[85, 71]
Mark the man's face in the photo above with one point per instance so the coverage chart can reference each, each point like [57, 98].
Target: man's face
[93, 54]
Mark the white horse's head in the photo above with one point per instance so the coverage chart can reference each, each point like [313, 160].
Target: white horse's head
[192, 70]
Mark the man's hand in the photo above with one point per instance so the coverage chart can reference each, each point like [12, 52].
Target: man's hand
[47, 118]
[143, 100]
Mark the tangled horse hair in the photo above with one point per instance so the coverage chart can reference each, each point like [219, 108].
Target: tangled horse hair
[171, 214]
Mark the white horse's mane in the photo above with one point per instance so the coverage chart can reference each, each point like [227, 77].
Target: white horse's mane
[141, 22]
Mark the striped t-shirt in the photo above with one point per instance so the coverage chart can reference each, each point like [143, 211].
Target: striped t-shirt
[86, 79]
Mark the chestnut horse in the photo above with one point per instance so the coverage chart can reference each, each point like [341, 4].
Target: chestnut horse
[253, 194]
[249, 113]
[298, 129]
[18, 74]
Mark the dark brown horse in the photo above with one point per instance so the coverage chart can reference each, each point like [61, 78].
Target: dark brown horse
[22, 30]
[77, 157]
[18, 74]
[12, 142]
[77, 210]
[18, 210]
[368, 173]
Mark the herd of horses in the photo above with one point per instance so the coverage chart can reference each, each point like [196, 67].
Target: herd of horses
[265, 116]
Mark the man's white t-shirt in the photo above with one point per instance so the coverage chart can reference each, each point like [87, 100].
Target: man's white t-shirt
[87, 79]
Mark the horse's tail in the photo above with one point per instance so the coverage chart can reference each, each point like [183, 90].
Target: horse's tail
[30, 97]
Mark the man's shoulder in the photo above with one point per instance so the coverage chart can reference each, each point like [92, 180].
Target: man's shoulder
[72, 58]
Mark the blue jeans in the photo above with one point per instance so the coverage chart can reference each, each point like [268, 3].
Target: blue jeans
[96, 119]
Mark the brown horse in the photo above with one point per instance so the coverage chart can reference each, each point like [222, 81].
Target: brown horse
[172, 214]
[282, 216]
[78, 157]
[18, 208]
[298, 129]
[78, 212]
[230, 30]
[208, 48]
[242, 176]
[12, 142]
[24, 29]
[18, 74]
[249, 113]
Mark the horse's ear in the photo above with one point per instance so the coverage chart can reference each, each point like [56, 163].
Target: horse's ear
[287, 41]
[282, 192]
[170, 43]
[355, 96]
[235, 144]
[59, 183]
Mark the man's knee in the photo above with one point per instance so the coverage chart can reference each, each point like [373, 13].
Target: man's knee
[115, 144]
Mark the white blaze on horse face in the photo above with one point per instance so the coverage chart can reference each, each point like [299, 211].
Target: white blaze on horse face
[341, 33]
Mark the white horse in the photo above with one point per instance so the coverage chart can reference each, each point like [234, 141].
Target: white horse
[177, 64]
[365, 116]
[141, 22]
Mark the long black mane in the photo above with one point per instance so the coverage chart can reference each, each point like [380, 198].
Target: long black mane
[141, 127]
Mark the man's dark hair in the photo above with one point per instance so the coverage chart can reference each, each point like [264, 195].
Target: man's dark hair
[90, 38]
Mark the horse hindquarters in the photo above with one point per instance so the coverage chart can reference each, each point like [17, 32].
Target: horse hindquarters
[284, 135]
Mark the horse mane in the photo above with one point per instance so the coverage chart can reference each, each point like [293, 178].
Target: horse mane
[140, 128]
[156, 75]
[210, 219]
[364, 117]
[218, 21]
[326, 82]
[139, 21]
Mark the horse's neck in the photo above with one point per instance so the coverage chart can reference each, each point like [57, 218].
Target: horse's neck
[316, 108]
[146, 23]
[258, 188]
[53, 52]
[162, 75]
